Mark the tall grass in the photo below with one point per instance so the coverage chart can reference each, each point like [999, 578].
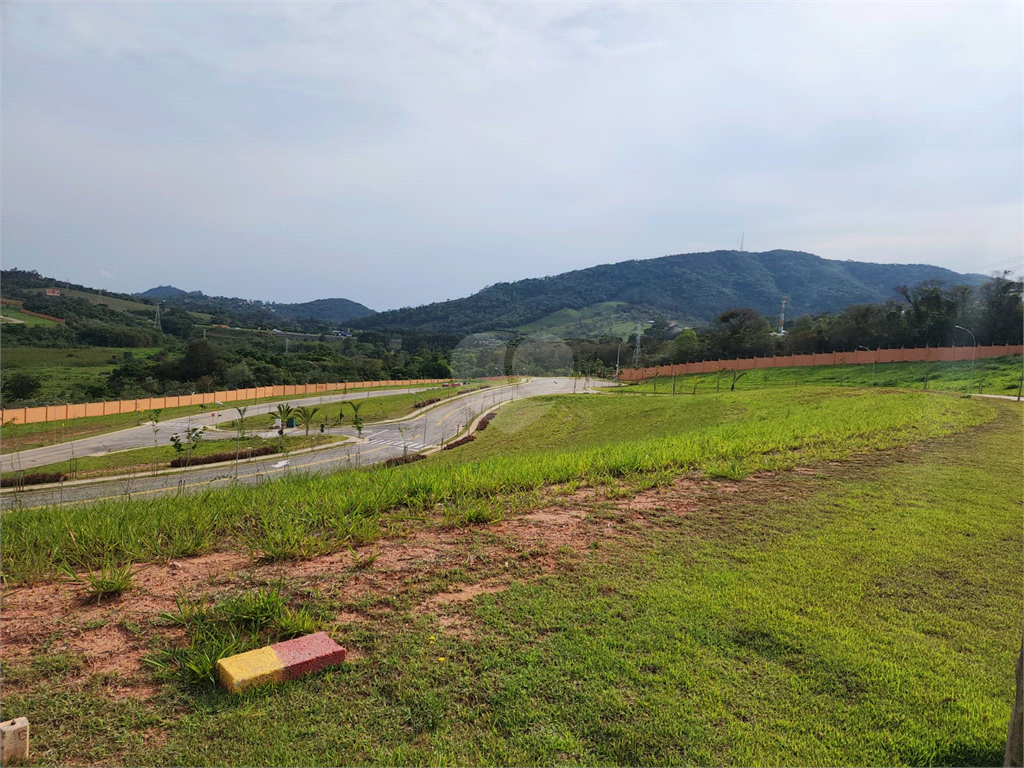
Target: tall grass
[305, 514]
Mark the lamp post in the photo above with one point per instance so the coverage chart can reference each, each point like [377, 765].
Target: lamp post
[861, 346]
[974, 354]
[218, 402]
[190, 397]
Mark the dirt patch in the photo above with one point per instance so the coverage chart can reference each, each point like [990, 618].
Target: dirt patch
[463, 595]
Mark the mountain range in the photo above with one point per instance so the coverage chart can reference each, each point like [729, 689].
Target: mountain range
[692, 288]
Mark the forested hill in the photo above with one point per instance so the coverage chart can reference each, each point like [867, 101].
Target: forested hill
[695, 287]
[331, 311]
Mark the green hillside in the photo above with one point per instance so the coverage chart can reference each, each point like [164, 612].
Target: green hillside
[693, 287]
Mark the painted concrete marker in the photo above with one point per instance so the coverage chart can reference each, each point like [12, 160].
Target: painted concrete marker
[13, 741]
[278, 662]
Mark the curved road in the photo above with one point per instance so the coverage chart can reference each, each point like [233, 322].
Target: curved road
[379, 442]
[143, 437]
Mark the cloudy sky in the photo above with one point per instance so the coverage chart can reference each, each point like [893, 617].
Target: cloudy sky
[401, 153]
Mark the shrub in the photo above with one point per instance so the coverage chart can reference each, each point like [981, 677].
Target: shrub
[213, 458]
[35, 478]
[397, 461]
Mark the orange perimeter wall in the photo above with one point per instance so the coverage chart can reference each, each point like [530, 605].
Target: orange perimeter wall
[78, 410]
[859, 357]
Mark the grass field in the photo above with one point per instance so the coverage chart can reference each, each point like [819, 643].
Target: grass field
[863, 611]
[994, 376]
[8, 312]
[120, 305]
[35, 359]
[59, 370]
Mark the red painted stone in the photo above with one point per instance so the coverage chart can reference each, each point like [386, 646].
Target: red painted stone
[308, 654]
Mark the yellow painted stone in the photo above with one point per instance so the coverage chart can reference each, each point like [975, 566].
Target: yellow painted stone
[250, 668]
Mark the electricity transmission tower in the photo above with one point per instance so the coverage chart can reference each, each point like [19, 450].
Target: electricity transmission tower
[636, 349]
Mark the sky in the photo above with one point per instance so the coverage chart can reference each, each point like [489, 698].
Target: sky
[397, 154]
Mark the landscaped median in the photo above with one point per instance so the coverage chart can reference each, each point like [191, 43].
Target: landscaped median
[164, 458]
[279, 662]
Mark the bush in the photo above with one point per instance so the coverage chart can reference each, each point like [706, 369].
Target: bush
[213, 458]
[400, 460]
[36, 478]
[460, 441]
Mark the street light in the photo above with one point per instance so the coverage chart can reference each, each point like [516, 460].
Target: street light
[218, 402]
[861, 346]
[974, 354]
[191, 395]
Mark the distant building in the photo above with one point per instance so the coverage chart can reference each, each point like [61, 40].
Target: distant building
[53, 291]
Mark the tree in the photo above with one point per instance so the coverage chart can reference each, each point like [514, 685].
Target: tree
[684, 345]
[239, 376]
[357, 420]
[1000, 313]
[305, 415]
[743, 332]
[284, 412]
[19, 386]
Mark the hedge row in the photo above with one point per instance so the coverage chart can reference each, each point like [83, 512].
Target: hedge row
[214, 458]
[36, 478]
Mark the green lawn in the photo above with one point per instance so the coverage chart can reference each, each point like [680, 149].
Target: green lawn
[865, 612]
[994, 376]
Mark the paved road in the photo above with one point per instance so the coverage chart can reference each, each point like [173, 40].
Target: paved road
[143, 437]
[379, 442]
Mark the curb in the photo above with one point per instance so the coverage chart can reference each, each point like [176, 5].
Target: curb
[279, 662]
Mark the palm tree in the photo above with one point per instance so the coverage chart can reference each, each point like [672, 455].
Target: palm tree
[284, 412]
[357, 420]
[305, 415]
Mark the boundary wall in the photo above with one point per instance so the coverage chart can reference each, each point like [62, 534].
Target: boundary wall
[107, 408]
[857, 357]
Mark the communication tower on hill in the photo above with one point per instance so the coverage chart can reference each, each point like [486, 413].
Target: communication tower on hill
[782, 317]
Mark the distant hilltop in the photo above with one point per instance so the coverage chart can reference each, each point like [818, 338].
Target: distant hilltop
[334, 311]
[161, 292]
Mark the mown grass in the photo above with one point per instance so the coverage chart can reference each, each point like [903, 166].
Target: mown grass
[994, 376]
[865, 615]
[777, 430]
[560, 422]
[159, 457]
